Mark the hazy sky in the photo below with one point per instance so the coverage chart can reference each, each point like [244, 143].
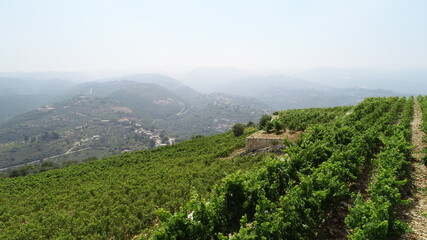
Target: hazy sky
[82, 35]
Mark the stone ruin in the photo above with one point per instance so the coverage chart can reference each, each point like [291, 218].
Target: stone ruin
[261, 139]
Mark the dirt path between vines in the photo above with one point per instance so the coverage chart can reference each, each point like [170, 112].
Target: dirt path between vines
[416, 213]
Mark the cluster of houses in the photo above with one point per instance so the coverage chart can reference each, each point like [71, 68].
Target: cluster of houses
[164, 101]
[155, 137]
[46, 108]
[126, 121]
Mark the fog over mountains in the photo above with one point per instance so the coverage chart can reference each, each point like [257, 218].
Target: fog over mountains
[407, 81]
[75, 116]
[321, 87]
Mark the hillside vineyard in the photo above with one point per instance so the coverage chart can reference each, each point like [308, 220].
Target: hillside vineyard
[346, 177]
[293, 198]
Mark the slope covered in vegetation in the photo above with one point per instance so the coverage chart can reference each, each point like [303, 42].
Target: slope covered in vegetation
[114, 117]
[115, 197]
[292, 199]
[273, 197]
[300, 119]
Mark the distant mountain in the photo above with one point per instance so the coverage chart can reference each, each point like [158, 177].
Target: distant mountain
[208, 80]
[363, 93]
[18, 95]
[167, 82]
[76, 121]
[104, 87]
[150, 101]
[100, 89]
[213, 113]
[24, 86]
[76, 129]
[159, 79]
[252, 85]
[119, 116]
[48, 76]
[185, 115]
[408, 81]
[187, 92]
[284, 92]
[13, 105]
[324, 87]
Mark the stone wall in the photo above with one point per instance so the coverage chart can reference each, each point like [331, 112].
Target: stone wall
[253, 143]
[262, 139]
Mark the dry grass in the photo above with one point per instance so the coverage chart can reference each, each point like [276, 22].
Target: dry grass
[415, 213]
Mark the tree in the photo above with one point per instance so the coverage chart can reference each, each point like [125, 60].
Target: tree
[45, 136]
[277, 126]
[269, 126]
[54, 136]
[250, 124]
[165, 139]
[264, 120]
[46, 165]
[238, 129]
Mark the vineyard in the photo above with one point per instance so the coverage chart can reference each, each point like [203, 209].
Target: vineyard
[300, 119]
[347, 177]
[293, 198]
[116, 197]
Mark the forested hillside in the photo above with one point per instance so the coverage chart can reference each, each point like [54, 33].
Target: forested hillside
[114, 117]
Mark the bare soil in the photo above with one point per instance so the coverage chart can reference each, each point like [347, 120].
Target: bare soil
[290, 135]
[415, 214]
[334, 227]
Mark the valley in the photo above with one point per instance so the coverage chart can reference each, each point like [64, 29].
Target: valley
[117, 117]
[74, 122]
[213, 120]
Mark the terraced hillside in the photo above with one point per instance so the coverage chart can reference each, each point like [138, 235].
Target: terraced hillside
[115, 197]
[360, 161]
[345, 178]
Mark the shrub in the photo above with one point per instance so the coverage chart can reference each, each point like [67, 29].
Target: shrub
[278, 127]
[238, 129]
[264, 120]
[269, 126]
[250, 124]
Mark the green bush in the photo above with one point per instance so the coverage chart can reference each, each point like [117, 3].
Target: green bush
[238, 129]
[264, 120]
[277, 126]
[250, 124]
[269, 126]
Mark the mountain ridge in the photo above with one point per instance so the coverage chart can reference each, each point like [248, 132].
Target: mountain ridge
[124, 117]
